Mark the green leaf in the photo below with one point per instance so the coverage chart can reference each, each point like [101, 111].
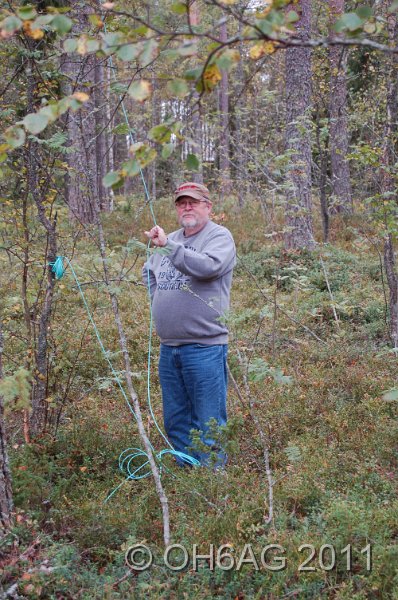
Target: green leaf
[121, 129]
[118, 88]
[15, 136]
[140, 90]
[61, 24]
[50, 112]
[112, 39]
[35, 122]
[265, 26]
[177, 87]
[291, 17]
[70, 45]
[168, 150]
[192, 162]
[41, 21]
[193, 74]
[349, 21]
[227, 59]
[131, 167]
[11, 24]
[160, 134]
[364, 12]
[391, 396]
[111, 179]
[179, 8]
[149, 52]
[27, 13]
[129, 51]
[16, 389]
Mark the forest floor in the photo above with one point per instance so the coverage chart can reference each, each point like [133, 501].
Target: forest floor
[309, 332]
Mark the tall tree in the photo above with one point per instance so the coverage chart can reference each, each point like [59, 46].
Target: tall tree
[298, 216]
[87, 129]
[225, 175]
[339, 139]
[196, 114]
[388, 178]
[6, 503]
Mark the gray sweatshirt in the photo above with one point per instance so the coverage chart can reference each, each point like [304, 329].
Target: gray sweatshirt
[190, 282]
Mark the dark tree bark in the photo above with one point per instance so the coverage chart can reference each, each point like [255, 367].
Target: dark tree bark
[6, 503]
[224, 146]
[388, 186]
[341, 184]
[196, 114]
[298, 215]
[239, 125]
[37, 186]
[87, 127]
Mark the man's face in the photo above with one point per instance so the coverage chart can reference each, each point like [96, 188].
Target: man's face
[192, 214]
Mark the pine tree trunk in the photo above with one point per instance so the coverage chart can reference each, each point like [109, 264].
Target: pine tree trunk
[298, 215]
[6, 503]
[341, 184]
[196, 113]
[388, 185]
[86, 127]
[225, 175]
[238, 145]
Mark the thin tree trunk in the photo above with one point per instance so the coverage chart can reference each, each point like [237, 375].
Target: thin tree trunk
[298, 216]
[323, 165]
[239, 147]
[6, 502]
[196, 113]
[387, 179]
[39, 389]
[341, 184]
[86, 128]
[133, 394]
[225, 175]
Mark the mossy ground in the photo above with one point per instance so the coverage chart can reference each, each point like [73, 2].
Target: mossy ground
[332, 436]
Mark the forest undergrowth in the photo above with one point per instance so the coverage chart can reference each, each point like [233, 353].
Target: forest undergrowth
[311, 361]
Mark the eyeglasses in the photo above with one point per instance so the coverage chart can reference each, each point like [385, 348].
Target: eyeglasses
[193, 202]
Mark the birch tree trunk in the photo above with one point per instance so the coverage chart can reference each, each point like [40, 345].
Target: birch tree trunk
[6, 503]
[341, 184]
[298, 216]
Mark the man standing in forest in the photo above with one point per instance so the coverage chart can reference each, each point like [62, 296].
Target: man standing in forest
[190, 284]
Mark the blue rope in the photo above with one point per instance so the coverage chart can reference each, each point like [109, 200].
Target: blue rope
[128, 456]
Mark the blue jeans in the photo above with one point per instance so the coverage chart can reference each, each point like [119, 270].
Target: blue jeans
[194, 390]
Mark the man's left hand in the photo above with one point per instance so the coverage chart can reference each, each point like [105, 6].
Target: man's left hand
[157, 235]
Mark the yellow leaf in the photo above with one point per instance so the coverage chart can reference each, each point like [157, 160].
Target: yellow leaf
[36, 34]
[140, 90]
[83, 469]
[260, 49]
[81, 96]
[82, 45]
[212, 76]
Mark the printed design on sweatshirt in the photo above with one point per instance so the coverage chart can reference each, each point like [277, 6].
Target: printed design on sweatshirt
[170, 278]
